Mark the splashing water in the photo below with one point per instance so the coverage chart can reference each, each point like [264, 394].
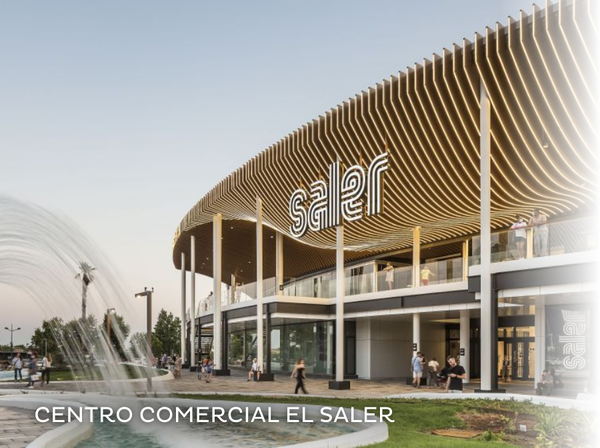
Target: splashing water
[40, 253]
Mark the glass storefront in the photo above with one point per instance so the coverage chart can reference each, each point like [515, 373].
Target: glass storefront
[290, 340]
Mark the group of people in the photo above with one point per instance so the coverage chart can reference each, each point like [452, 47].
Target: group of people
[173, 364]
[19, 363]
[425, 275]
[205, 367]
[450, 377]
[539, 223]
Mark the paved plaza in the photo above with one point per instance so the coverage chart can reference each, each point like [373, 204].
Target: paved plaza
[18, 427]
[283, 385]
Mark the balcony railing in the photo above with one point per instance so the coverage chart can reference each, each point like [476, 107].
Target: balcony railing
[557, 238]
[564, 237]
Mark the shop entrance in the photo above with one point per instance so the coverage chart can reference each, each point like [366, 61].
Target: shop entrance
[517, 346]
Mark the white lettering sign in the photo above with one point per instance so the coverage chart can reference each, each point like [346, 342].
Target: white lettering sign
[574, 339]
[324, 205]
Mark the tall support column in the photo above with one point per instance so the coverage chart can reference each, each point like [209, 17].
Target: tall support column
[416, 271]
[540, 338]
[465, 342]
[488, 367]
[193, 302]
[259, 285]
[416, 333]
[339, 382]
[183, 320]
[465, 259]
[278, 263]
[217, 272]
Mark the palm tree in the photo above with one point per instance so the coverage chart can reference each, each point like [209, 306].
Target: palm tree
[87, 277]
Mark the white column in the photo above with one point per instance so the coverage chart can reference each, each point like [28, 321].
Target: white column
[486, 278]
[278, 263]
[339, 304]
[183, 322]
[540, 338]
[465, 342]
[217, 263]
[259, 284]
[416, 273]
[193, 301]
[416, 333]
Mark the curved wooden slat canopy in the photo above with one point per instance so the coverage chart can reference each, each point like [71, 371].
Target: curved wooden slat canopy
[542, 83]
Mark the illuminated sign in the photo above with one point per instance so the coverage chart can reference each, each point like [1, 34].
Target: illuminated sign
[324, 205]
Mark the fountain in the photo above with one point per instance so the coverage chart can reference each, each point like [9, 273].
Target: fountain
[40, 253]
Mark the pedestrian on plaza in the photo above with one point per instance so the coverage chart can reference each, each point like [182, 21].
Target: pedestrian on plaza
[208, 369]
[254, 372]
[46, 368]
[298, 372]
[389, 275]
[456, 375]
[539, 223]
[416, 365]
[425, 274]
[17, 364]
[520, 235]
[546, 385]
[32, 370]
[432, 372]
[505, 368]
[200, 368]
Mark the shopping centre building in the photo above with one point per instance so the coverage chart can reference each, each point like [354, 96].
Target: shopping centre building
[383, 226]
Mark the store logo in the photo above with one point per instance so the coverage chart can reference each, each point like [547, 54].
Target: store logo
[574, 339]
[344, 196]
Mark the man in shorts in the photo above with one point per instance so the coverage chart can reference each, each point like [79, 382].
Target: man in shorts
[417, 369]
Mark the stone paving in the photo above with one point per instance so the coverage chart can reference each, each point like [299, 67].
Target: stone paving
[18, 427]
[283, 384]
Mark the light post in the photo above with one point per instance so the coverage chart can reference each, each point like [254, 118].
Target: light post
[109, 312]
[148, 295]
[12, 330]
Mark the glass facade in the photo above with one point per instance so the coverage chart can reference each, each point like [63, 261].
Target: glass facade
[290, 341]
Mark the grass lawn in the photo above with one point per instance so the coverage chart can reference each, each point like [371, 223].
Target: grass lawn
[497, 421]
[95, 373]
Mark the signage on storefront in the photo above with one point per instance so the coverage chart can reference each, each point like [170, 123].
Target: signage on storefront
[351, 196]
[567, 339]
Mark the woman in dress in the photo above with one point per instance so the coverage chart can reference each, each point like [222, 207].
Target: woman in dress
[389, 275]
[300, 377]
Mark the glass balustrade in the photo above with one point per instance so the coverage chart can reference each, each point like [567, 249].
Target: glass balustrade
[441, 271]
[400, 277]
[555, 238]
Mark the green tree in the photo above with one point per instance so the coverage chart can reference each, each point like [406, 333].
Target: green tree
[119, 332]
[46, 340]
[78, 340]
[168, 331]
[137, 344]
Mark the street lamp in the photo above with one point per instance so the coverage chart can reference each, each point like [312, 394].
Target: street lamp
[148, 295]
[109, 312]
[12, 330]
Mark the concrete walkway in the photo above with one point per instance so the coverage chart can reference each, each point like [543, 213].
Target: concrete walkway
[283, 385]
[18, 427]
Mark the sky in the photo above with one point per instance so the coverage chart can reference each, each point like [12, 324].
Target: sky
[122, 115]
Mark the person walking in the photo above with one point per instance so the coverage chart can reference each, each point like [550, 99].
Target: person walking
[200, 368]
[416, 365]
[32, 370]
[505, 368]
[208, 369]
[456, 375]
[520, 235]
[17, 364]
[432, 372]
[389, 275]
[46, 368]
[298, 372]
